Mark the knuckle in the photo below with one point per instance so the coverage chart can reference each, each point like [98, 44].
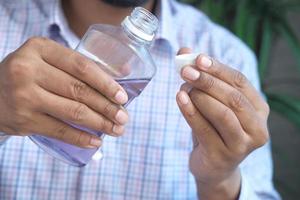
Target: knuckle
[78, 112]
[217, 69]
[262, 138]
[36, 41]
[109, 109]
[82, 65]
[196, 95]
[108, 86]
[60, 132]
[21, 96]
[16, 68]
[80, 90]
[191, 113]
[226, 116]
[238, 101]
[242, 148]
[80, 139]
[101, 125]
[206, 128]
[238, 154]
[108, 125]
[19, 70]
[239, 79]
[207, 82]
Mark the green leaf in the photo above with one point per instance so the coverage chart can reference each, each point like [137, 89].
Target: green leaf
[205, 7]
[287, 106]
[240, 19]
[251, 35]
[214, 9]
[265, 49]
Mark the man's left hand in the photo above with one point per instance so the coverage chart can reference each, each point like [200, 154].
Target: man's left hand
[228, 118]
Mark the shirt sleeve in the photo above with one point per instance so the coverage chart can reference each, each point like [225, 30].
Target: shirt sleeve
[256, 171]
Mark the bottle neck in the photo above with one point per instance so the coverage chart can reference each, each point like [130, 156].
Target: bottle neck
[140, 26]
[135, 38]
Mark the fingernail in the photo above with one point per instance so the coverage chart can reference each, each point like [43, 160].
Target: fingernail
[183, 98]
[118, 129]
[190, 73]
[121, 117]
[205, 62]
[96, 142]
[121, 97]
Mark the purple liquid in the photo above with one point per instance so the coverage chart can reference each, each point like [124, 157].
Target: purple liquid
[80, 156]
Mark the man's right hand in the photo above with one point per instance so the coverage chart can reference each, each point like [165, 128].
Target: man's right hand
[43, 85]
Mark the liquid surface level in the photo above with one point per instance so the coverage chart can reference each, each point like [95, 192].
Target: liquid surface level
[81, 156]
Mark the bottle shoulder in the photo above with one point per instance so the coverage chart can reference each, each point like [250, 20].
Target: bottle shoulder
[113, 46]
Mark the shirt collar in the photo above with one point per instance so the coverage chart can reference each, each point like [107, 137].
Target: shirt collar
[165, 11]
[57, 18]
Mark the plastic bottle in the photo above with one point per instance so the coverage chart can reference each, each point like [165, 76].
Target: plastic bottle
[122, 52]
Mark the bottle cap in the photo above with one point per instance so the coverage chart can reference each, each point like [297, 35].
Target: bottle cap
[185, 59]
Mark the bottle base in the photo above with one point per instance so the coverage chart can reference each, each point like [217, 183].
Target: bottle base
[54, 151]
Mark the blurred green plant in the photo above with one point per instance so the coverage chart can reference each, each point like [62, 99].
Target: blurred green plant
[259, 23]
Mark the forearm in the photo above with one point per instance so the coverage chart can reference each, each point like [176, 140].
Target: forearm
[227, 189]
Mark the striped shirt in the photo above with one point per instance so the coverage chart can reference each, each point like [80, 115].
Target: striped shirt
[151, 160]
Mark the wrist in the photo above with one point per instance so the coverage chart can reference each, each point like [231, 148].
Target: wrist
[228, 188]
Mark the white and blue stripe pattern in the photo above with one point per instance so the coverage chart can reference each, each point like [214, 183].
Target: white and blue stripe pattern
[151, 160]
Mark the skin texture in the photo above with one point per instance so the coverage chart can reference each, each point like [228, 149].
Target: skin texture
[43, 85]
[228, 118]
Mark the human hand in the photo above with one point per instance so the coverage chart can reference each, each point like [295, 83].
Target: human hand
[43, 85]
[228, 119]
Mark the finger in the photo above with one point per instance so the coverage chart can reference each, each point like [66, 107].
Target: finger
[221, 117]
[83, 69]
[77, 113]
[202, 129]
[63, 84]
[232, 77]
[226, 94]
[51, 127]
[184, 50]
[186, 87]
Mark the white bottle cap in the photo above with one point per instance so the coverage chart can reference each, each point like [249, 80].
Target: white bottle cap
[185, 59]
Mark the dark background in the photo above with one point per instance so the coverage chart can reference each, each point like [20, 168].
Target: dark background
[283, 76]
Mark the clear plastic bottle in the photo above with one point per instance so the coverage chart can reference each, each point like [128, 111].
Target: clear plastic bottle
[121, 51]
